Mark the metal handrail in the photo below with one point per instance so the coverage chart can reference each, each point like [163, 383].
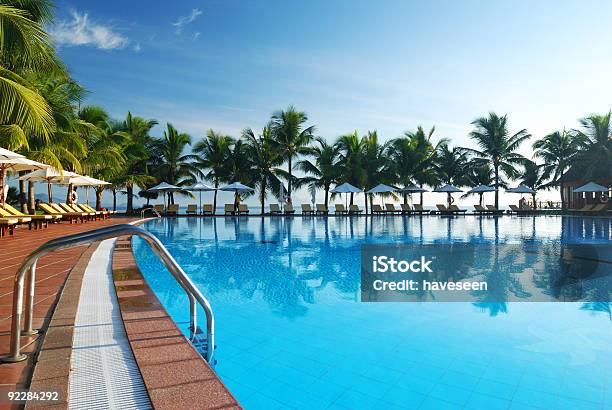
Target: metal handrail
[29, 265]
[151, 209]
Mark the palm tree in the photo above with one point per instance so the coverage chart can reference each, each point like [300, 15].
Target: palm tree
[350, 159]
[425, 156]
[497, 146]
[595, 160]
[451, 165]
[558, 150]
[211, 157]
[535, 177]
[137, 149]
[264, 158]
[238, 166]
[479, 174]
[175, 167]
[376, 166]
[291, 137]
[24, 46]
[322, 168]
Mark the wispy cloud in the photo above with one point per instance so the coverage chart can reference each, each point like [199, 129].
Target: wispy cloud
[137, 48]
[196, 35]
[82, 31]
[185, 20]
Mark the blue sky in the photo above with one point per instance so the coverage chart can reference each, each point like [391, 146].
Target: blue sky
[389, 65]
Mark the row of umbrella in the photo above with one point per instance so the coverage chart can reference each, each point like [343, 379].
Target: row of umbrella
[200, 187]
[12, 161]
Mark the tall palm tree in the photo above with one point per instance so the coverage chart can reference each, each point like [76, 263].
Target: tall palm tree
[425, 156]
[595, 160]
[559, 150]
[535, 176]
[264, 158]
[239, 166]
[291, 136]
[375, 162]
[24, 46]
[211, 157]
[175, 167]
[321, 167]
[451, 165]
[497, 146]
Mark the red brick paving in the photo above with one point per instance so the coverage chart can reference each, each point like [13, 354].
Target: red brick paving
[51, 274]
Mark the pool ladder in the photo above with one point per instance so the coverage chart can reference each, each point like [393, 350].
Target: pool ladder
[206, 346]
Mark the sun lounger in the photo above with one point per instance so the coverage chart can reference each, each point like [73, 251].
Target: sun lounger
[65, 208]
[405, 209]
[340, 209]
[479, 209]
[39, 221]
[442, 209]
[173, 209]
[598, 209]
[455, 209]
[7, 225]
[322, 209]
[519, 211]
[101, 214]
[74, 208]
[93, 214]
[21, 220]
[377, 210]
[390, 209]
[229, 209]
[494, 210]
[307, 209]
[160, 208]
[243, 209]
[71, 216]
[418, 209]
[207, 209]
[192, 209]
[354, 210]
[289, 209]
[275, 209]
[585, 208]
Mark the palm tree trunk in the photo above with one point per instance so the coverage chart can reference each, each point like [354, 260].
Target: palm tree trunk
[114, 199]
[326, 196]
[533, 197]
[405, 199]
[365, 197]
[561, 188]
[290, 178]
[99, 199]
[22, 194]
[351, 203]
[496, 166]
[130, 203]
[262, 196]
[214, 211]
[421, 186]
[31, 197]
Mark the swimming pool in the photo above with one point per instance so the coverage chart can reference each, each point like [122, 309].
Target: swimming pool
[292, 333]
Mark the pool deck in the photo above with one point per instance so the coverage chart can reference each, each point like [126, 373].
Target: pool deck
[167, 361]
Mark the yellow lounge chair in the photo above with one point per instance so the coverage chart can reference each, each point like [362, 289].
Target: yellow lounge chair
[38, 220]
[207, 209]
[71, 216]
[275, 209]
[322, 209]
[340, 209]
[456, 210]
[405, 209]
[192, 209]
[21, 220]
[494, 210]
[101, 214]
[71, 208]
[289, 209]
[243, 209]
[377, 209]
[307, 209]
[354, 210]
[7, 224]
[229, 209]
[418, 209]
[173, 209]
[390, 209]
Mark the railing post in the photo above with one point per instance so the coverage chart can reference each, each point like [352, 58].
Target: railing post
[28, 326]
[193, 320]
[15, 354]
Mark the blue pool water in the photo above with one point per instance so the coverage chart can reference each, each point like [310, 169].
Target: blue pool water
[292, 333]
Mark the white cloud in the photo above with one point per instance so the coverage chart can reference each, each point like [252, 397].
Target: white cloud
[81, 31]
[185, 20]
[196, 35]
[137, 48]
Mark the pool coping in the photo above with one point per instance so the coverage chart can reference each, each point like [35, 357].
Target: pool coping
[170, 366]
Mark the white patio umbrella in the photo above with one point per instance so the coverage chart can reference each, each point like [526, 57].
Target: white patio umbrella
[481, 189]
[591, 187]
[237, 188]
[412, 189]
[448, 189]
[165, 188]
[86, 181]
[12, 161]
[521, 189]
[380, 189]
[346, 188]
[200, 187]
[49, 175]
